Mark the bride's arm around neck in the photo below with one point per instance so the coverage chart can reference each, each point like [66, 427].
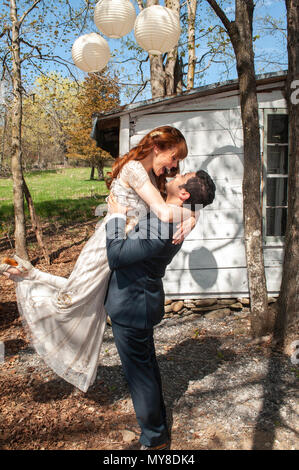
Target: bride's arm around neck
[165, 212]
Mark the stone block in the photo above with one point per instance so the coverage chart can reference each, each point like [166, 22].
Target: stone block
[218, 314]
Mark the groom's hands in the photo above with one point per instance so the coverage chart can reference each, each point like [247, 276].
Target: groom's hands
[185, 227]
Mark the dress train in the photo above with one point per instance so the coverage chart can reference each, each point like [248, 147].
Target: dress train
[66, 318]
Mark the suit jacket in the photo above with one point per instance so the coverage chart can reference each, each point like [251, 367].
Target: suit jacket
[135, 296]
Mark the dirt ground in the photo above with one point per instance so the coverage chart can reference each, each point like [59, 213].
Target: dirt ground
[41, 411]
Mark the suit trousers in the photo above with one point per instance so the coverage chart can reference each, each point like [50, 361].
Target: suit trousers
[137, 353]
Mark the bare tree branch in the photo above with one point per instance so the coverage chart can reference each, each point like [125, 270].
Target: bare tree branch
[26, 13]
[4, 66]
[128, 60]
[33, 47]
[140, 91]
[86, 13]
[5, 30]
[271, 25]
[85, 10]
[61, 61]
[206, 33]
[220, 13]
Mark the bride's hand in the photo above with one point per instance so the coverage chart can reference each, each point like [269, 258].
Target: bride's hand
[114, 207]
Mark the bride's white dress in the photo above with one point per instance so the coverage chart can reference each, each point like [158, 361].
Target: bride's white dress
[66, 318]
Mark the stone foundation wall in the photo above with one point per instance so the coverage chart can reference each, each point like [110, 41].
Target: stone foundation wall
[211, 308]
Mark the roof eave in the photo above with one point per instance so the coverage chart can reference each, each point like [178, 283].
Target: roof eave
[186, 95]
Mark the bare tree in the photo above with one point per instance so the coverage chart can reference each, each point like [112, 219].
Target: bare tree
[16, 161]
[156, 66]
[13, 34]
[192, 6]
[4, 136]
[165, 69]
[288, 300]
[172, 73]
[240, 33]
[203, 44]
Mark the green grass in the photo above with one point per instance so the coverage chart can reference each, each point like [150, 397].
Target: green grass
[62, 196]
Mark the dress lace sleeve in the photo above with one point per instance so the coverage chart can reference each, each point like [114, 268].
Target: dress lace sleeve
[134, 174]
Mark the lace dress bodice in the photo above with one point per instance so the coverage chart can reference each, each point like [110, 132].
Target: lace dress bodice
[132, 176]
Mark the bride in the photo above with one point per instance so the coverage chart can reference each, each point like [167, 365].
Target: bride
[65, 318]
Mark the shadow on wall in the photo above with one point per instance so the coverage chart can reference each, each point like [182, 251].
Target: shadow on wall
[203, 277]
[225, 212]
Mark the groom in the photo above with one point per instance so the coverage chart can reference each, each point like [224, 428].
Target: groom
[135, 297]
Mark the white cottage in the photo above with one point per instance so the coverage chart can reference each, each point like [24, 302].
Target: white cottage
[212, 260]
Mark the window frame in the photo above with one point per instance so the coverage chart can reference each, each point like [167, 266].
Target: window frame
[277, 240]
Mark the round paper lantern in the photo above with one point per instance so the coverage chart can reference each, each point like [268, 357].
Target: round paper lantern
[114, 18]
[157, 29]
[91, 52]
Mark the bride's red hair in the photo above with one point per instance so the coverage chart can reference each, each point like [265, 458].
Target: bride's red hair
[164, 137]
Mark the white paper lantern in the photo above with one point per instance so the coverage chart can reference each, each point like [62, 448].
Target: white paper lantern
[91, 52]
[157, 29]
[114, 18]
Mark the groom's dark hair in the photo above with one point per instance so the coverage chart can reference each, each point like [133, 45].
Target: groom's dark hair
[201, 189]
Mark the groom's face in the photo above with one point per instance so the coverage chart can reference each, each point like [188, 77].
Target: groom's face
[174, 187]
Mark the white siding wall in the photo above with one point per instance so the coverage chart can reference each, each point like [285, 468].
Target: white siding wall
[124, 135]
[212, 260]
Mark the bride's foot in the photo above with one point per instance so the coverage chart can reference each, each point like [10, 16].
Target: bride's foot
[23, 264]
[16, 266]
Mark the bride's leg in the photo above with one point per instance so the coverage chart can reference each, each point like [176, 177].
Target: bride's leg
[46, 278]
[18, 269]
[36, 275]
[66, 324]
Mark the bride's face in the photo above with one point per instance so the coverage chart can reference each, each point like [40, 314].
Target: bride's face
[164, 160]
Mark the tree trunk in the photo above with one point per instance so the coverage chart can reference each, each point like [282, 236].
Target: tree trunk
[240, 32]
[92, 173]
[62, 144]
[35, 223]
[252, 170]
[16, 161]
[192, 6]
[157, 76]
[100, 168]
[178, 75]
[156, 67]
[166, 80]
[288, 301]
[172, 56]
[170, 65]
[3, 138]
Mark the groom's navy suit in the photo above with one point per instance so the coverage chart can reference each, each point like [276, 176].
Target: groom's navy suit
[135, 303]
